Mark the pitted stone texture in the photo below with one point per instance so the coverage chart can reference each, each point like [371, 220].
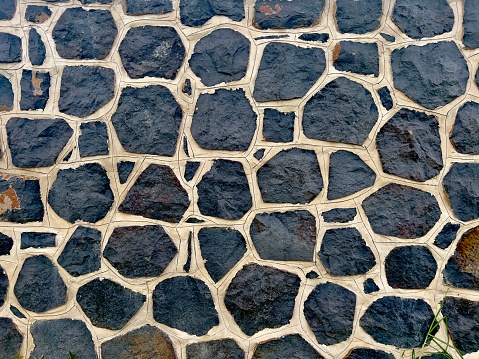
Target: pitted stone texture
[291, 176]
[85, 89]
[185, 303]
[370, 286]
[471, 24]
[157, 194]
[10, 48]
[190, 170]
[224, 191]
[124, 169]
[140, 7]
[339, 215]
[367, 353]
[314, 37]
[93, 140]
[218, 349]
[108, 304]
[198, 12]
[37, 14]
[410, 147]
[81, 193]
[39, 286]
[290, 346]
[287, 71]
[360, 58]
[431, 75]
[7, 9]
[466, 127]
[37, 143]
[261, 297]
[283, 14]
[36, 48]
[288, 236]
[224, 120]
[10, 338]
[35, 88]
[401, 211]
[402, 322]
[343, 111]
[385, 97]
[6, 244]
[329, 311]
[446, 236]
[37, 240]
[6, 94]
[358, 16]
[278, 126]
[462, 187]
[221, 248]
[344, 252]
[4, 282]
[221, 56]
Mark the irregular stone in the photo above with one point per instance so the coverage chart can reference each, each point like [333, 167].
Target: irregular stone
[271, 37]
[385, 97]
[466, 126]
[431, 75]
[108, 304]
[6, 244]
[144, 342]
[282, 14]
[187, 265]
[471, 24]
[221, 248]
[288, 236]
[39, 287]
[37, 143]
[10, 338]
[187, 89]
[82, 253]
[402, 322]
[344, 252]
[35, 90]
[194, 220]
[261, 297]
[409, 146]
[224, 120]
[343, 111]
[140, 7]
[218, 349]
[7, 9]
[37, 240]
[291, 176]
[312, 275]
[360, 58]
[290, 346]
[358, 16]
[221, 56]
[329, 311]
[185, 146]
[68, 156]
[388, 37]
[81, 193]
[401, 211]
[185, 303]
[153, 51]
[370, 286]
[6, 94]
[224, 191]
[124, 169]
[85, 89]
[198, 12]
[367, 353]
[339, 215]
[36, 48]
[446, 236]
[314, 37]
[93, 140]
[16, 312]
[3, 286]
[259, 154]
[287, 71]
[88, 2]
[10, 48]
[278, 126]
[37, 14]
[190, 169]
[157, 194]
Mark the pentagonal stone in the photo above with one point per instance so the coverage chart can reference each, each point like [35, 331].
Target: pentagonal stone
[3, 286]
[401, 211]
[287, 347]
[224, 191]
[471, 24]
[124, 169]
[385, 97]
[446, 236]
[108, 304]
[85, 89]
[185, 303]
[360, 58]
[367, 353]
[37, 14]
[140, 7]
[35, 90]
[402, 322]
[283, 14]
[147, 120]
[261, 297]
[278, 126]
[10, 338]
[6, 244]
[154, 51]
[81, 193]
[39, 287]
[93, 140]
[37, 240]
[339, 215]
[221, 248]
[218, 349]
[329, 311]
[431, 75]
[291, 176]
[409, 146]
[198, 12]
[7, 9]
[314, 37]
[6, 94]
[370, 286]
[358, 16]
[157, 194]
[36, 48]
[10, 48]
[224, 120]
[466, 126]
[344, 252]
[190, 170]
[221, 56]
[343, 111]
[462, 187]
[288, 236]
[37, 143]
[287, 71]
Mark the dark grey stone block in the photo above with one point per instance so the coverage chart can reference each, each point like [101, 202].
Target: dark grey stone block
[339, 215]
[190, 169]
[385, 97]
[259, 154]
[278, 126]
[93, 140]
[446, 236]
[10, 338]
[466, 126]
[358, 16]
[360, 58]
[187, 89]
[7, 9]
[314, 37]
[16, 312]
[388, 37]
[198, 12]
[36, 48]
[88, 2]
[283, 14]
[37, 240]
[10, 48]
[35, 90]
[6, 94]
[312, 275]
[287, 347]
[6, 244]
[37, 14]
[367, 353]
[124, 169]
[4, 283]
[218, 349]
[140, 7]
[370, 286]
[471, 24]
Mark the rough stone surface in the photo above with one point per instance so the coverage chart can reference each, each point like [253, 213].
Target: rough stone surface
[387, 37]
[290, 346]
[339, 215]
[36, 48]
[37, 240]
[471, 24]
[446, 236]
[198, 12]
[278, 126]
[360, 58]
[283, 14]
[10, 48]
[6, 94]
[314, 37]
[4, 282]
[140, 7]
[10, 338]
[259, 154]
[466, 127]
[367, 353]
[93, 140]
[7, 9]
[124, 170]
[218, 349]
[312, 275]
[385, 97]
[6, 244]
[358, 16]
[35, 89]
[370, 286]
[190, 170]
[37, 14]
[187, 89]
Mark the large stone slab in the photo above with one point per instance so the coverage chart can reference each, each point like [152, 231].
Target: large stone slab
[466, 126]
[218, 349]
[471, 24]
[10, 338]
[93, 140]
[36, 48]
[7, 9]
[6, 244]
[287, 347]
[367, 353]
[37, 14]
[10, 48]
[358, 16]
[6, 94]
[140, 7]
[35, 90]
[357, 57]
[198, 12]
[37, 240]
[278, 126]
[283, 14]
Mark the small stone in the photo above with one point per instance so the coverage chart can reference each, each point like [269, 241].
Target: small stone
[124, 169]
[35, 88]
[278, 126]
[261, 297]
[68, 156]
[88, 2]
[198, 12]
[6, 244]
[36, 48]
[185, 146]
[37, 240]
[329, 311]
[10, 338]
[312, 275]
[187, 265]
[190, 169]
[93, 140]
[360, 58]
[10, 48]
[343, 111]
[283, 14]
[367, 353]
[7, 9]
[314, 37]
[358, 16]
[140, 7]
[4, 282]
[39, 287]
[290, 346]
[291, 176]
[187, 89]
[259, 154]
[37, 14]
[194, 220]
[370, 286]
[271, 37]
[387, 37]
[446, 236]
[385, 97]
[466, 126]
[339, 215]
[218, 349]
[185, 303]
[471, 24]
[6, 94]
[16, 312]
[287, 71]
[288, 236]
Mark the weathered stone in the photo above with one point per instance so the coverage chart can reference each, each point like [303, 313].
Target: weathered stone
[471, 24]
[431, 75]
[198, 12]
[339, 215]
[93, 140]
[6, 94]
[108, 304]
[6, 244]
[37, 143]
[409, 146]
[358, 16]
[401, 211]
[36, 48]
[185, 303]
[402, 322]
[16, 312]
[387, 37]
[290, 346]
[314, 37]
[370, 286]
[7, 9]
[291, 176]
[3, 286]
[344, 252]
[357, 57]
[367, 353]
[259, 154]
[462, 187]
[224, 120]
[218, 349]
[385, 97]
[147, 120]
[187, 89]
[157, 194]
[37, 240]
[278, 126]
[466, 127]
[124, 169]
[343, 111]
[261, 297]
[221, 56]
[446, 236]
[283, 14]
[10, 48]
[287, 71]
[140, 7]
[190, 169]
[35, 90]
[221, 248]
[37, 14]
[288, 236]
[39, 287]
[10, 338]
[224, 191]
[81, 193]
